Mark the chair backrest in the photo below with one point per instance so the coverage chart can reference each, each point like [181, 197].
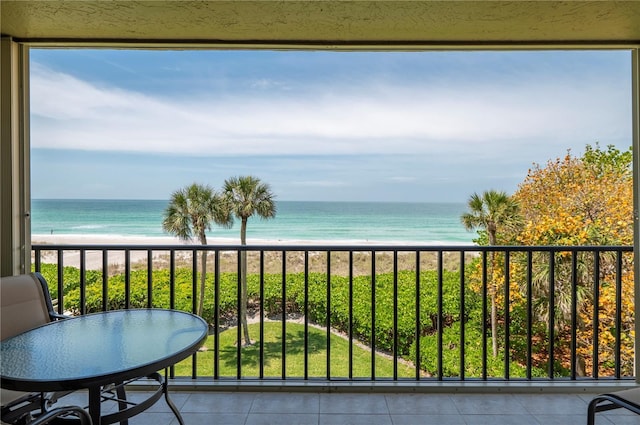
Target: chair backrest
[25, 303]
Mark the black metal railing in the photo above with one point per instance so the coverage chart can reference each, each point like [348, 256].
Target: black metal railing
[373, 312]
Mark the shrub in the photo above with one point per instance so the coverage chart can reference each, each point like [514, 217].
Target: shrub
[348, 304]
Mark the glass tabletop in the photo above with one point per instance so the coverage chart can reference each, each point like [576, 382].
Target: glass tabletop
[99, 348]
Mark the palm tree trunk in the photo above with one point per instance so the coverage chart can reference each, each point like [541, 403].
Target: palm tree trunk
[243, 283]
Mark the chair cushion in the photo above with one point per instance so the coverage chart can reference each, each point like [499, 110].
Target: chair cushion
[22, 305]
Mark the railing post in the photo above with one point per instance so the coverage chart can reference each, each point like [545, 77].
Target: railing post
[350, 314]
[618, 319]
[596, 315]
[127, 279]
[373, 315]
[216, 316]
[484, 314]
[328, 313]
[507, 317]
[83, 283]
[261, 368]
[395, 315]
[150, 279]
[552, 311]
[60, 281]
[418, 316]
[529, 313]
[439, 320]
[240, 319]
[574, 314]
[462, 318]
[105, 279]
[306, 315]
[284, 315]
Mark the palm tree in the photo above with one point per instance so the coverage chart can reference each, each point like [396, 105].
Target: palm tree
[489, 212]
[247, 196]
[190, 213]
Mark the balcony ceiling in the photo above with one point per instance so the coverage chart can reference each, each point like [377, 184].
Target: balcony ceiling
[323, 23]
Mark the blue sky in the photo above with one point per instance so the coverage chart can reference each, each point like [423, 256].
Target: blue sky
[327, 126]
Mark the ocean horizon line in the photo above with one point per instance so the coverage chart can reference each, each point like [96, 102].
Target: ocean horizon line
[277, 200]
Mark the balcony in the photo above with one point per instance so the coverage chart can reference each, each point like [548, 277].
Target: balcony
[588, 25]
[384, 408]
[373, 317]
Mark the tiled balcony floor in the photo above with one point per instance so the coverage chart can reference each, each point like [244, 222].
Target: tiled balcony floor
[286, 408]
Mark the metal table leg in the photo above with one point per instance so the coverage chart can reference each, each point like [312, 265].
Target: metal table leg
[94, 404]
[172, 406]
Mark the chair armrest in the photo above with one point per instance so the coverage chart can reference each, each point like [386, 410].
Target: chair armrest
[53, 315]
[56, 413]
[56, 316]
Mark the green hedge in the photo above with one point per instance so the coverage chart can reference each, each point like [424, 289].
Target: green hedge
[338, 312]
[362, 310]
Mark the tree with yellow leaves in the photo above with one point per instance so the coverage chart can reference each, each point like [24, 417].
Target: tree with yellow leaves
[579, 201]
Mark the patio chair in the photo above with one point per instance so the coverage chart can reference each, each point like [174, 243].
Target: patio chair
[25, 303]
[628, 399]
[61, 415]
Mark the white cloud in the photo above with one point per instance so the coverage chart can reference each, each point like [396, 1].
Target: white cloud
[318, 183]
[265, 84]
[403, 179]
[463, 120]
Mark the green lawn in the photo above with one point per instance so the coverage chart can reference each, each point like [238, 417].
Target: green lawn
[317, 355]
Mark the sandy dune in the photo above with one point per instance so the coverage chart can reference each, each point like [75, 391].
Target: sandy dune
[228, 259]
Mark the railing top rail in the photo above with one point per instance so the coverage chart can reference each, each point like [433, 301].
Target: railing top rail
[338, 247]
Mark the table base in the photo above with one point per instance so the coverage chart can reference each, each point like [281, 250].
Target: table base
[126, 408]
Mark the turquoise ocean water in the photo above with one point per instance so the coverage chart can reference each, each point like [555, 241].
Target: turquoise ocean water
[429, 223]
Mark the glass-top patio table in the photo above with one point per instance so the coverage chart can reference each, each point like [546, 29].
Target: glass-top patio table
[102, 349]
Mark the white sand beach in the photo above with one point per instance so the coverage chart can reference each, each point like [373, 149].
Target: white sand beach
[160, 258]
[88, 239]
[60, 239]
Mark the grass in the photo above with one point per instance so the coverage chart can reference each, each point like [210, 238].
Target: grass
[294, 356]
